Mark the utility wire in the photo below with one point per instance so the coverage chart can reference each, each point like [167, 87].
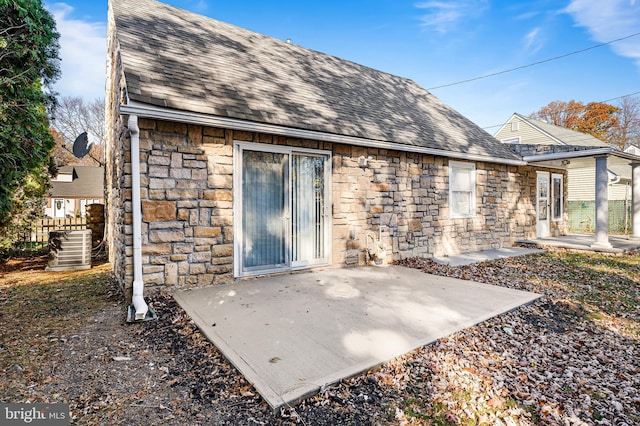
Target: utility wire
[533, 64]
[608, 100]
[620, 97]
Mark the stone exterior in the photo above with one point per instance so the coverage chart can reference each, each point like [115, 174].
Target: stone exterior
[187, 204]
[95, 222]
[187, 199]
[404, 198]
[186, 180]
[117, 168]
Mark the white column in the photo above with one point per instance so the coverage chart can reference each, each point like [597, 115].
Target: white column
[602, 204]
[635, 199]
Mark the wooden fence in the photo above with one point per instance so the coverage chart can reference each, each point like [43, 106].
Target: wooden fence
[37, 237]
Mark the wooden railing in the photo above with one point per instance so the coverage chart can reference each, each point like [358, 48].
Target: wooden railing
[37, 237]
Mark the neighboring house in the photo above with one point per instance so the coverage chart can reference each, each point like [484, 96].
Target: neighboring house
[581, 192]
[232, 154]
[73, 189]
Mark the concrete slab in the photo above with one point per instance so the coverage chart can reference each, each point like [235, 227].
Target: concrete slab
[291, 334]
[582, 242]
[482, 256]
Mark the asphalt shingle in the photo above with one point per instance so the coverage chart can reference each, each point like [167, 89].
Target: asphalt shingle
[88, 182]
[186, 61]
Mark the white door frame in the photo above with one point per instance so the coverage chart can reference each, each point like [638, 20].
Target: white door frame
[543, 204]
[239, 147]
[59, 212]
[559, 196]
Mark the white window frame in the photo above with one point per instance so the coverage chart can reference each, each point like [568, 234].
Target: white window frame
[239, 146]
[453, 165]
[553, 196]
[515, 126]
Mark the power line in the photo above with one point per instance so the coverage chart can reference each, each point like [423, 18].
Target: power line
[533, 64]
[620, 97]
[608, 100]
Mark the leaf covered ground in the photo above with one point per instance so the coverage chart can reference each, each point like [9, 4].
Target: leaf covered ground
[569, 358]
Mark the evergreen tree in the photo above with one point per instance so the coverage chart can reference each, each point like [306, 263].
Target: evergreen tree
[29, 65]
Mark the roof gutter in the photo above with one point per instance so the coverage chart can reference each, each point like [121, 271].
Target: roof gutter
[567, 155]
[151, 111]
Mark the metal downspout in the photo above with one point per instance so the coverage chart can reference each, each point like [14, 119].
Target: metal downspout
[137, 299]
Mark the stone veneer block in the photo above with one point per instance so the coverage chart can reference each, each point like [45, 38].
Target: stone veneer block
[158, 211]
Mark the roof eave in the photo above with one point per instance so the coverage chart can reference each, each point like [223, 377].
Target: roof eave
[567, 155]
[595, 152]
[159, 113]
[539, 129]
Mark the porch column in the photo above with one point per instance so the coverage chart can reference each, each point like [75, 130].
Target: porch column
[635, 199]
[602, 204]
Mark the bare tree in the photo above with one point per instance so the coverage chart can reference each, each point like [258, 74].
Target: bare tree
[73, 116]
[627, 132]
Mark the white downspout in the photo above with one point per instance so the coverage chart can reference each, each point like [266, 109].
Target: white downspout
[137, 299]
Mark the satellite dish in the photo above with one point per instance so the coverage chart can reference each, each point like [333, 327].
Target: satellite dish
[81, 145]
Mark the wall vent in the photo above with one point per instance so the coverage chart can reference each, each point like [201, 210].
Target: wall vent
[69, 250]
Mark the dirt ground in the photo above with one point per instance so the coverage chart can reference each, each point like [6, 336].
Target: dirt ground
[569, 358]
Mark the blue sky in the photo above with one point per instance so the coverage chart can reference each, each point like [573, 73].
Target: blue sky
[433, 42]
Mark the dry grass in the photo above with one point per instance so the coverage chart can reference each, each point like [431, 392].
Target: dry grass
[39, 306]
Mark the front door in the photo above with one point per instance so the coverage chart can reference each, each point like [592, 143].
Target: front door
[282, 209]
[58, 207]
[542, 205]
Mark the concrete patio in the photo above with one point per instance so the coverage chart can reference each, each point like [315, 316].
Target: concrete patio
[584, 242]
[469, 258]
[291, 334]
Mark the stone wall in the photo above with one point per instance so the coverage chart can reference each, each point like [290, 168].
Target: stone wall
[117, 167]
[404, 198]
[95, 222]
[187, 204]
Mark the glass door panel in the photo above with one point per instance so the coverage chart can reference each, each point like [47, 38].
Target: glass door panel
[264, 207]
[309, 224]
[542, 207]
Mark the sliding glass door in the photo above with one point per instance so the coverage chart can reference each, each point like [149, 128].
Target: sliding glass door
[309, 210]
[264, 202]
[282, 214]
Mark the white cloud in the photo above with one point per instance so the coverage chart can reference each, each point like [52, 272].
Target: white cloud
[83, 48]
[443, 16]
[533, 41]
[201, 5]
[610, 20]
[527, 15]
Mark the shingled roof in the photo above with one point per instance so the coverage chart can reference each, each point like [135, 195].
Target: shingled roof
[87, 182]
[562, 135]
[181, 60]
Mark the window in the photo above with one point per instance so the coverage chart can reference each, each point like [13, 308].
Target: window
[556, 197]
[515, 126]
[462, 189]
[511, 140]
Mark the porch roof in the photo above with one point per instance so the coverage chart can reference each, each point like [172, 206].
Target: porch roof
[585, 158]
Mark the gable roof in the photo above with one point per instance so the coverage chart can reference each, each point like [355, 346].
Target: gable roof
[87, 182]
[183, 61]
[558, 134]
